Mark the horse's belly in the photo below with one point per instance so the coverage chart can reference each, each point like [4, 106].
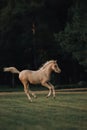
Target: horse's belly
[34, 79]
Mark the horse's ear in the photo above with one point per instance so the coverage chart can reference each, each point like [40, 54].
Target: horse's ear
[55, 61]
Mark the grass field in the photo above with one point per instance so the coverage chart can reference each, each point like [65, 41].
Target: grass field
[67, 112]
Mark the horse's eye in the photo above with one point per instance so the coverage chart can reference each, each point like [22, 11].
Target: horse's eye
[55, 66]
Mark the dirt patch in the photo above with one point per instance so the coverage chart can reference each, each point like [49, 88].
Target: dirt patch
[64, 91]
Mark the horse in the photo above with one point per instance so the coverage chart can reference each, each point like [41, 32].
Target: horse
[40, 76]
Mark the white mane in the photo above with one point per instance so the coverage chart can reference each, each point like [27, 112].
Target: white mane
[45, 64]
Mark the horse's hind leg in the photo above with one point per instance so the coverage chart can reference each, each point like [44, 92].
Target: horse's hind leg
[26, 89]
[33, 94]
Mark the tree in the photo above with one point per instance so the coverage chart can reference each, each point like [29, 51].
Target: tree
[73, 39]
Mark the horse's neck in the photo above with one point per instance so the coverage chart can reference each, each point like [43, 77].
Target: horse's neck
[48, 70]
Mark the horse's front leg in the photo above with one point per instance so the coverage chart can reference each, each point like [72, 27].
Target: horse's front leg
[53, 90]
[47, 85]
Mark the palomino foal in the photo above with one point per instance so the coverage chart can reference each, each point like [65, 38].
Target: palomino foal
[40, 76]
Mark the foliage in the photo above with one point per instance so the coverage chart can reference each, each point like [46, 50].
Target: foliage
[74, 37]
[22, 48]
[16, 20]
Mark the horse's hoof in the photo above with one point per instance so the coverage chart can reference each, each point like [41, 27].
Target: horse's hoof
[47, 96]
[54, 97]
[30, 100]
[35, 97]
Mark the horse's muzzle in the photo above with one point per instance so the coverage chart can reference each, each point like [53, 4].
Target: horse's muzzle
[59, 71]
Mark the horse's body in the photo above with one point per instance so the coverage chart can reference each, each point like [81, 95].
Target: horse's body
[41, 76]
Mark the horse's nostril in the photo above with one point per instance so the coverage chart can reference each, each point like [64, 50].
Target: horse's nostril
[59, 71]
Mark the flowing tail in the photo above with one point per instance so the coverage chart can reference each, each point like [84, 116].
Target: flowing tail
[11, 69]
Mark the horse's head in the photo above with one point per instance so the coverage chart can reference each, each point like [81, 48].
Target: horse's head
[55, 67]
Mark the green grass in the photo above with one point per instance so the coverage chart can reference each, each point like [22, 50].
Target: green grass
[67, 112]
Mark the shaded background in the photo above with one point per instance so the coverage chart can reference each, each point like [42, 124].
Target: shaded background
[34, 31]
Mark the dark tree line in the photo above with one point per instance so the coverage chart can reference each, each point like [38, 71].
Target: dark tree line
[34, 31]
